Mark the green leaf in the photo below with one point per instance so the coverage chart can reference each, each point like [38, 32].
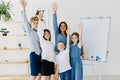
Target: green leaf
[5, 10]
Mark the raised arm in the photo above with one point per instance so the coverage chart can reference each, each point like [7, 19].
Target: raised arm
[24, 16]
[41, 32]
[80, 37]
[68, 38]
[55, 24]
[55, 7]
[23, 4]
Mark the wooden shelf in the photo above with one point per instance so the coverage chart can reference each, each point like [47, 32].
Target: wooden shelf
[13, 22]
[15, 77]
[19, 62]
[14, 49]
[19, 35]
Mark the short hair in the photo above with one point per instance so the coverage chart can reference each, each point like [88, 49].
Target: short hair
[61, 42]
[35, 18]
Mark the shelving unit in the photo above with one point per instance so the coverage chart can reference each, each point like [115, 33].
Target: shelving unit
[14, 59]
[13, 22]
[14, 63]
[18, 49]
[19, 35]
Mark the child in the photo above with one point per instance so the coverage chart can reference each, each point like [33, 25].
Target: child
[48, 55]
[33, 38]
[63, 61]
[75, 53]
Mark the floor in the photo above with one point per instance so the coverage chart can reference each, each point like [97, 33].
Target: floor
[24, 77]
[104, 77]
[14, 77]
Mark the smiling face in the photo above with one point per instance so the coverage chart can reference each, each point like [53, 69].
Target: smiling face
[47, 35]
[34, 22]
[75, 38]
[61, 46]
[63, 27]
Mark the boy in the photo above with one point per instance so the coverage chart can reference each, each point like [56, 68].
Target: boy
[63, 60]
[33, 38]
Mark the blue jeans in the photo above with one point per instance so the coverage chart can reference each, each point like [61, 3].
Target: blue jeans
[65, 75]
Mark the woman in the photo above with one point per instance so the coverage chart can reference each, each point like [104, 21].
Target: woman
[60, 32]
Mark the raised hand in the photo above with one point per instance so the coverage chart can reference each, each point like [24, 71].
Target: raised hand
[23, 4]
[81, 25]
[55, 7]
[68, 31]
[80, 37]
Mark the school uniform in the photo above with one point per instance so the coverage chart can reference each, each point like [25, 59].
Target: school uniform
[34, 46]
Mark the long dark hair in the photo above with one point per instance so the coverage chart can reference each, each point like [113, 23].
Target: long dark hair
[47, 30]
[63, 22]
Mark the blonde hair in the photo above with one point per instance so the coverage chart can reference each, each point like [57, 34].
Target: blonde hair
[35, 18]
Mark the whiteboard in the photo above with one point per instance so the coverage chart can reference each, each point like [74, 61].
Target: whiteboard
[95, 38]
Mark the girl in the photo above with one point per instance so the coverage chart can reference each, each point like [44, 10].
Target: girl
[48, 55]
[75, 53]
[60, 33]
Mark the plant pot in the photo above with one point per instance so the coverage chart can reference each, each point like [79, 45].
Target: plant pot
[4, 34]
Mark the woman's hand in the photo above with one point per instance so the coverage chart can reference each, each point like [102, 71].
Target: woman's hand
[55, 7]
[68, 31]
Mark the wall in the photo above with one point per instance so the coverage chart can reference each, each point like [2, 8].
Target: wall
[72, 10]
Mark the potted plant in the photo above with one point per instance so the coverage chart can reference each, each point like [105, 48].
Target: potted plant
[5, 13]
[20, 45]
[4, 31]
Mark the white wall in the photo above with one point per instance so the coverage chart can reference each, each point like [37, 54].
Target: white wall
[72, 10]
